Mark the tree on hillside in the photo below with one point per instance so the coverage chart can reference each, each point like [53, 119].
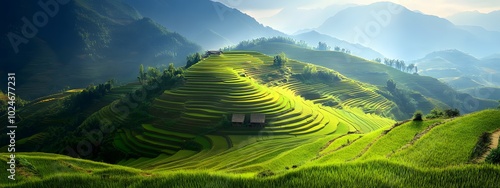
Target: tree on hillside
[193, 59]
[142, 74]
[391, 85]
[171, 68]
[337, 49]
[403, 66]
[389, 62]
[84, 99]
[399, 65]
[280, 60]
[452, 113]
[254, 42]
[377, 60]
[418, 116]
[309, 70]
[153, 73]
[435, 113]
[323, 46]
[410, 68]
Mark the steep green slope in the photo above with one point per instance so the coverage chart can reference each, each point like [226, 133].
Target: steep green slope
[377, 74]
[443, 138]
[234, 83]
[191, 121]
[43, 124]
[432, 143]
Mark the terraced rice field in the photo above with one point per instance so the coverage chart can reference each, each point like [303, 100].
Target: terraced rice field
[229, 84]
[347, 93]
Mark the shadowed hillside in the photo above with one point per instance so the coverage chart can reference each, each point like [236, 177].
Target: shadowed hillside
[81, 43]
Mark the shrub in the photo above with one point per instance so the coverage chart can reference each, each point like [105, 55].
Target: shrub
[494, 156]
[481, 145]
[226, 121]
[435, 113]
[82, 100]
[193, 59]
[391, 85]
[326, 76]
[452, 113]
[418, 116]
[280, 60]
[309, 70]
[266, 173]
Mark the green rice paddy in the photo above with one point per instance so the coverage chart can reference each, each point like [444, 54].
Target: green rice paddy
[303, 144]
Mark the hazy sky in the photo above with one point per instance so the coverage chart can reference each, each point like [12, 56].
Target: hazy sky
[441, 8]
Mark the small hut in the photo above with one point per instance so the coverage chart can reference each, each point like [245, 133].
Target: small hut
[238, 120]
[258, 120]
[213, 52]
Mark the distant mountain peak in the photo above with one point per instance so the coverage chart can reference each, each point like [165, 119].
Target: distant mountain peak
[488, 21]
[400, 33]
[193, 18]
[451, 52]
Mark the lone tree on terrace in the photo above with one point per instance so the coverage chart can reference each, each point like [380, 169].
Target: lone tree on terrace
[280, 60]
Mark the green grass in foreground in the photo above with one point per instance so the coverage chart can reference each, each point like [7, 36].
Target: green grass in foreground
[379, 173]
[451, 143]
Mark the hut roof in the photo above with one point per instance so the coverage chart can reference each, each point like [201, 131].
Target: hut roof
[257, 118]
[214, 52]
[238, 118]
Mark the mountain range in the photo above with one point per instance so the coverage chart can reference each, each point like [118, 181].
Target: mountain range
[294, 19]
[488, 21]
[460, 70]
[312, 38]
[397, 32]
[213, 25]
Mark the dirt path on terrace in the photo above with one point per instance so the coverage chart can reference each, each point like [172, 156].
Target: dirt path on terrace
[494, 144]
